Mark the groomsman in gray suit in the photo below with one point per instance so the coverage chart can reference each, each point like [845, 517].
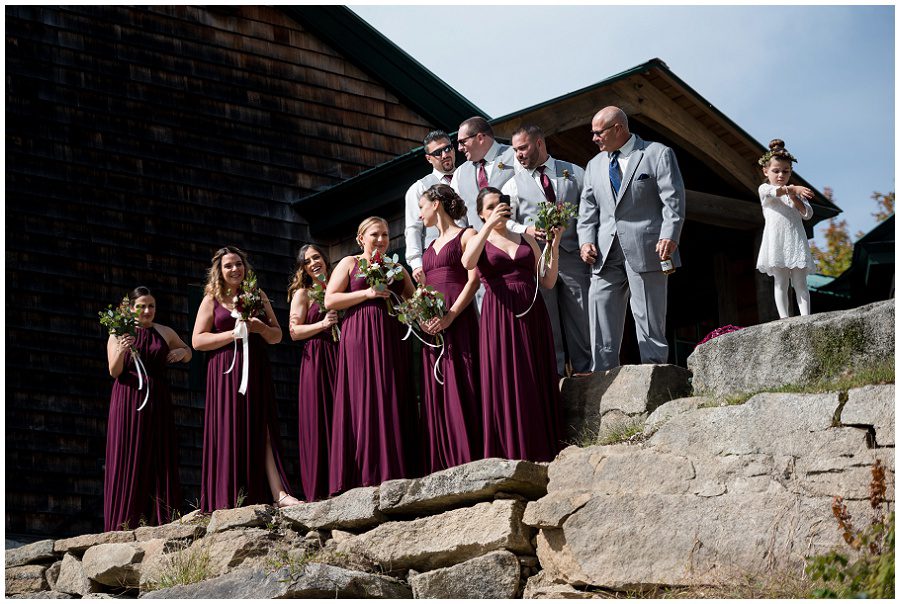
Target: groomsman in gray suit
[630, 220]
[489, 164]
[543, 178]
[440, 154]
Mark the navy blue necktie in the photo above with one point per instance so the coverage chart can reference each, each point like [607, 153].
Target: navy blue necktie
[615, 177]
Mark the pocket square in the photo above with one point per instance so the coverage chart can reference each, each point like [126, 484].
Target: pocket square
[643, 176]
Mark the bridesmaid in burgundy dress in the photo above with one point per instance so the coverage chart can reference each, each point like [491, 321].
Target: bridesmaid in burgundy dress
[374, 422]
[241, 461]
[313, 326]
[141, 478]
[453, 410]
[519, 384]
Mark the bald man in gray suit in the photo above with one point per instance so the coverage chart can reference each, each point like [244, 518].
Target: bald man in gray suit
[629, 221]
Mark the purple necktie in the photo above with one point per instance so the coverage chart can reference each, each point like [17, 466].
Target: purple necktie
[447, 178]
[548, 188]
[482, 178]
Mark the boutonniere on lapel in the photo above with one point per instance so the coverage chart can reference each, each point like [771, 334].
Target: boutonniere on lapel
[500, 165]
[565, 175]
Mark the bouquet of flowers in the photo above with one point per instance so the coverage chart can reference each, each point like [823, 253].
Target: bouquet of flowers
[380, 272]
[425, 304]
[123, 321]
[551, 216]
[248, 303]
[317, 293]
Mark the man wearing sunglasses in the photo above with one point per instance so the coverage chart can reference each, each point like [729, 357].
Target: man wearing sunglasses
[440, 154]
[489, 164]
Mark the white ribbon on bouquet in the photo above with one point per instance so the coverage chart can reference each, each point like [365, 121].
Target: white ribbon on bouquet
[241, 332]
[141, 371]
[543, 264]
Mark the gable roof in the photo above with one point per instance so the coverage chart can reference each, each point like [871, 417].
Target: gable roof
[388, 182]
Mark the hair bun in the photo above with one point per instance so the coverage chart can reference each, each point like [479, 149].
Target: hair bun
[776, 144]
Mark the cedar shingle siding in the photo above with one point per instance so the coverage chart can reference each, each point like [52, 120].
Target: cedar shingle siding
[138, 140]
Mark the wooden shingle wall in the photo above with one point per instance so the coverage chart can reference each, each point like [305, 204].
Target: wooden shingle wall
[139, 140]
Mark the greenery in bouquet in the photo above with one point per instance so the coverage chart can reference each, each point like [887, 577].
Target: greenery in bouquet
[317, 295]
[120, 320]
[425, 304]
[248, 303]
[551, 216]
[380, 272]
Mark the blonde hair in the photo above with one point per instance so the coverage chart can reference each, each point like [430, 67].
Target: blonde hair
[365, 224]
[215, 282]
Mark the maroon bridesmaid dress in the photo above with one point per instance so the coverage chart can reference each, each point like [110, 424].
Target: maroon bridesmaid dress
[318, 363]
[519, 383]
[452, 411]
[235, 425]
[141, 475]
[374, 422]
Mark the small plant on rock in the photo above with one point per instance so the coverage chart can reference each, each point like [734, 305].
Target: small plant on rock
[188, 565]
[868, 570]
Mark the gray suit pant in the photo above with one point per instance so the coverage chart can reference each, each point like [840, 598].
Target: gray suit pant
[568, 299]
[610, 289]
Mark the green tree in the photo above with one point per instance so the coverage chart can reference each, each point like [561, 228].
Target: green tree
[835, 258]
[837, 254]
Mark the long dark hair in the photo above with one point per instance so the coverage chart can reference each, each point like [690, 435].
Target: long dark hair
[301, 279]
[136, 293]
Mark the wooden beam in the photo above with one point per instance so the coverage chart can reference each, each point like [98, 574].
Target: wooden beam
[723, 211]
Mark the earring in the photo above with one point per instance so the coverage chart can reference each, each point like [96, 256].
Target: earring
[359, 243]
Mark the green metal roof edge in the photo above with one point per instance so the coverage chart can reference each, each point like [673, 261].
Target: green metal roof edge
[413, 83]
[823, 202]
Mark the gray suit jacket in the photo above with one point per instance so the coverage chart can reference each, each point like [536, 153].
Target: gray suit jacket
[650, 206]
[502, 158]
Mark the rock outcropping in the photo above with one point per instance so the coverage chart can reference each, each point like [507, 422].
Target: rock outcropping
[708, 492]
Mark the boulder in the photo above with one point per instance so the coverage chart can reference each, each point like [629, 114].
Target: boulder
[731, 491]
[42, 595]
[872, 406]
[249, 516]
[174, 531]
[444, 539]
[31, 553]
[113, 564]
[794, 351]
[667, 411]
[52, 574]
[540, 587]
[494, 575]
[226, 551]
[72, 578]
[78, 545]
[353, 510]
[632, 390]
[26, 579]
[312, 581]
[463, 485]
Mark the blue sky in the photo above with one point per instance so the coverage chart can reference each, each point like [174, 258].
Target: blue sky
[819, 77]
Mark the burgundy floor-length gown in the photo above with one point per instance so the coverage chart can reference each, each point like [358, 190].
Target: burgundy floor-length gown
[318, 364]
[141, 476]
[452, 411]
[374, 422]
[519, 383]
[235, 425]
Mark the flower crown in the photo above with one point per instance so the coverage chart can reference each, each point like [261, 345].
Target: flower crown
[780, 153]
